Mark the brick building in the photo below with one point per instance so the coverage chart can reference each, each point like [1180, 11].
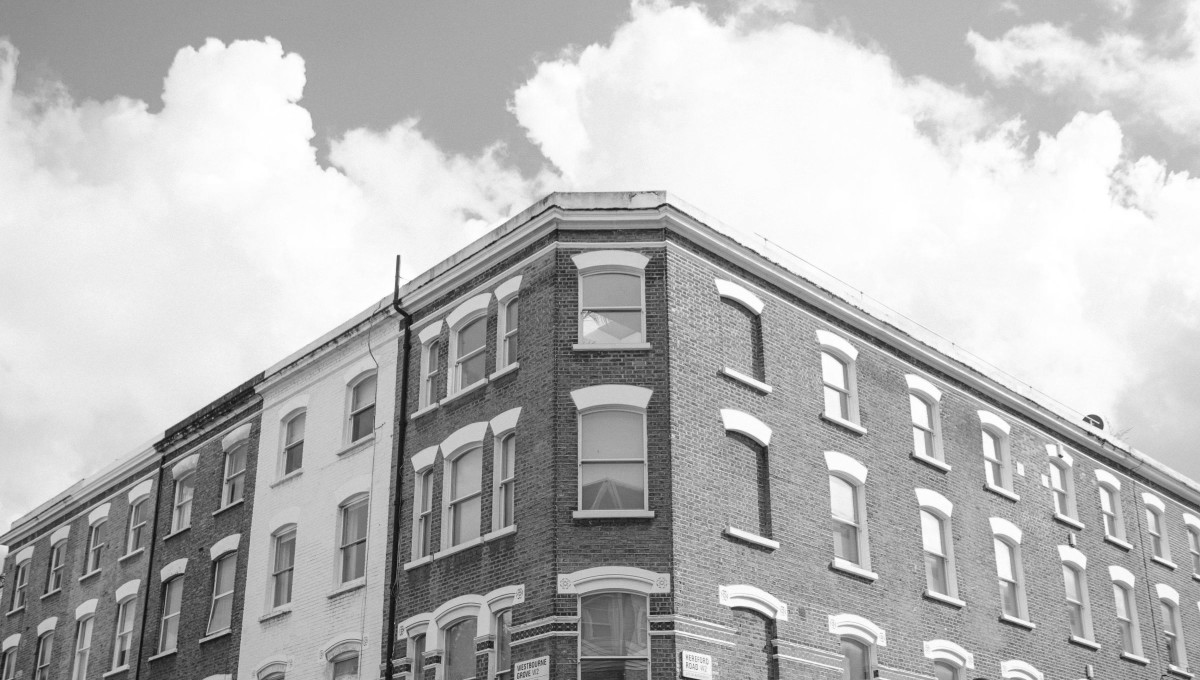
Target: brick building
[687, 444]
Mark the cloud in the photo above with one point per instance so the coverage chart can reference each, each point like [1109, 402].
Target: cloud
[152, 260]
[1045, 255]
[1151, 78]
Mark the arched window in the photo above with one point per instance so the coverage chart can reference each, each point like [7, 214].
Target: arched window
[126, 597]
[224, 568]
[1193, 533]
[1111, 508]
[172, 603]
[138, 520]
[937, 541]
[467, 360]
[614, 618]
[345, 665]
[293, 443]
[612, 307]
[741, 334]
[8, 663]
[612, 451]
[362, 408]
[503, 630]
[1155, 514]
[858, 639]
[1079, 609]
[950, 661]
[924, 403]
[1006, 539]
[1126, 608]
[1168, 601]
[507, 323]
[848, 505]
[56, 566]
[746, 470]
[283, 564]
[94, 554]
[235, 474]
[422, 530]
[20, 583]
[181, 514]
[1062, 485]
[462, 485]
[83, 646]
[504, 469]
[352, 538]
[997, 462]
[459, 663]
[431, 365]
[839, 375]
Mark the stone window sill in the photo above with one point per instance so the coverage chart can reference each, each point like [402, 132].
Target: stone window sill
[853, 427]
[423, 410]
[90, 574]
[1136, 658]
[115, 671]
[1020, 623]
[163, 655]
[1123, 545]
[505, 370]
[52, 592]
[500, 533]
[216, 636]
[356, 445]
[18, 610]
[229, 507]
[465, 545]
[287, 478]
[944, 599]
[486, 538]
[130, 556]
[478, 384]
[1084, 642]
[1069, 521]
[612, 514]
[931, 462]
[275, 614]
[746, 380]
[751, 538]
[1164, 562]
[601, 347]
[173, 534]
[352, 586]
[1002, 492]
[853, 569]
[420, 561]
[1176, 670]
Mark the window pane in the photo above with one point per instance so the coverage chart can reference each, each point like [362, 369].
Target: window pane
[845, 542]
[472, 336]
[364, 393]
[920, 411]
[346, 668]
[1106, 500]
[613, 486]
[611, 289]
[931, 533]
[614, 624]
[285, 551]
[843, 500]
[833, 371]
[509, 449]
[612, 434]
[362, 423]
[222, 614]
[354, 522]
[466, 474]
[1008, 598]
[855, 659]
[1056, 478]
[610, 327]
[836, 403]
[466, 520]
[295, 429]
[1071, 581]
[1004, 560]
[1168, 616]
[460, 650]
[991, 447]
[935, 574]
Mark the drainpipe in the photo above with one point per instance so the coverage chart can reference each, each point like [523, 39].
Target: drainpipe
[397, 502]
[145, 596]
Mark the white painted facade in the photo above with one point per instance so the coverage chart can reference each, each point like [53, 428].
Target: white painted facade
[326, 617]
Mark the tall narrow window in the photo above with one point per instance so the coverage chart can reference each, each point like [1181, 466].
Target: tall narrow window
[614, 637]
[181, 517]
[836, 374]
[168, 637]
[137, 526]
[467, 363]
[848, 506]
[466, 477]
[922, 422]
[416, 652]
[235, 474]
[8, 664]
[1170, 621]
[345, 666]
[1009, 574]
[431, 370]
[1127, 627]
[508, 341]
[54, 576]
[19, 584]
[124, 633]
[293, 443]
[362, 408]
[83, 647]
[220, 616]
[460, 650]
[354, 539]
[504, 645]
[282, 567]
[507, 473]
[612, 450]
[856, 660]
[1155, 511]
[944, 670]
[611, 297]
[1059, 489]
[1194, 548]
[45, 652]
[422, 538]
[1110, 506]
[937, 542]
[1077, 606]
[95, 547]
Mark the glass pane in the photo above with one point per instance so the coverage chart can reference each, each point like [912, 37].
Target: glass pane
[466, 474]
[285, 552]
[993, 473]
[224, 579]
[466, 520]
[507, 506]
[610, 327]
[1008, 598]
[833, 371]
[503, 640]
[283, 588]
[364, 393]
[612, 434]
[991, 447]
[920, 412]
[1071, 581]
[1060, 503]
[1110, 525]
[613, 486]
[845, 542]
[511, 316]
[426, 491]
[843, 500]
[509, 468]
[837, 403]
[944, 671]
[935, 574]
[221, 614]
[931, 533]
[294, 458]
[174, 596]
[362, 423]
[1168, 616]
[614, 669]
[472, 336]
[1075, 612]
[614, 624]
[295, 429]
[346, 668]
[354, 522]
[1056, 478]
[611, 290]
[922, 442]
[1004, 560]
[1122, 604]
[510, 349]
[235, 461]
[1106, 500]
[416, 649]
[460, 650]
[855, 659]
[354, 561]
[472, 370]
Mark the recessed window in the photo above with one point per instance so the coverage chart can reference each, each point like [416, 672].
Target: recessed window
[460, 650]
[431, 371]
[293, 443]
[924, 400]
[95, 546]
[997, 461]
[1168, 601]
[856, 660]
[220, 615]
[416, 653]
[362, 408]
[507, 322]
[747, 477]
[1006, 540]
[1110, 505]
[353, 548]
[614, 636]
[235, 474]
[835, 372]
[935, 534]
[504, 645]
[124, 632]
[741, 330]
[172, 601]
[345, 666]
[45, 654]
[20, 583]
[507, 472]
[8, 665]
[944, 670]
[950, 661]
[54, 576]
[848, 506]
[83, 647]
[1155, 511]
[611, 298]
[422, 535]
[138, 531]
[470, 362]
[1079, 610]
[1126, 610]
[1193, 534]
[185, 488]
[612, 460]
[283, 566]
[465, 498]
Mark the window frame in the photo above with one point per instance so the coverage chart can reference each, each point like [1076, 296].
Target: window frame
[940, 508]
[123, 639]
[504, 430]
[353, 410]
[94, 549]
[854, 474]
[1109, 486]
[342, 657]
[580, 658]
[862, 632]
[227, 559]
[496, 667]
[8, 664]
[452, 504]
[359, 501]
[1124, 582]
[422, 517]
[1063, 498]
[136, 535]
[1006, 533]
[1074, 560]
[288, 444]
[1156, 529]
[278, 537]
[447, 650]
[1168, 599]
[841, 351]
[181, 509]
[602, 398]
[1191, 524]
[735, 299]
[430, 369]
[507, 295]
[474, 309]
[599, 262]
[1000, 432]
[42, 659]
[56, 566]
[164, 621]
[930, 397]
[229, 481]
[951, 655]
[20, 584]
[82, 652]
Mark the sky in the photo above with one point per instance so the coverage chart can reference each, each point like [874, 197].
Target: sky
[191, 191]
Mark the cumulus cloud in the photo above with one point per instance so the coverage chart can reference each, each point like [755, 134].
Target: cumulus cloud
[1152, 78]
[1045, 255]
[152, 260]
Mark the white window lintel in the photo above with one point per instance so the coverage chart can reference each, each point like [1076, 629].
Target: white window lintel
[732, 291]
[746, 424]
[1072, 556]
[47, 625]
[611, 395]
[1154, 502]
[749, 597]
[505, 422]
[847, 466]
[225, 545]
[626, 259]
[128, 590]
[424, 458]
[469, 309]
[508, 289]
[928, 498]
[141, 490]
[992, 421]
[465, 436]
[1108, 479]
[1121, 575]
[99, 514]
[613, 578]
[922, 386]
[86, 609]
[1014, 669]
[173, 569]
[1166, 592]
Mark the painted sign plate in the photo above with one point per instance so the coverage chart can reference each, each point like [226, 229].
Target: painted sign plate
[696, 666]
[533, 669]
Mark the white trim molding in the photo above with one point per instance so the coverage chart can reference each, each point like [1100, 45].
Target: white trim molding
[467, 435]
[10, 642]
[418, 624]
[1166, 592]
[505, 422]
[840, 462]
[184, 466]
[225, 545]
[424, 458]
[1191, 520]
[735, 293]
[173, 569]
[630, 579]
[857, 627]
[508, 289]
[1072, 556]
[240, 434]
[1154, 502]
[86, 609]
[609, 258]
[746, 424]
[1014, 669]
[128, 589]
[946, 650]
[608, 395]
[100, 513]
[142, 489]
[749, 597]
[24, 554]
[1106, 477]
[47, 625]
[928, 498]
[431, 331]
[469, 308]
[1121, 575]
[995, 422]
